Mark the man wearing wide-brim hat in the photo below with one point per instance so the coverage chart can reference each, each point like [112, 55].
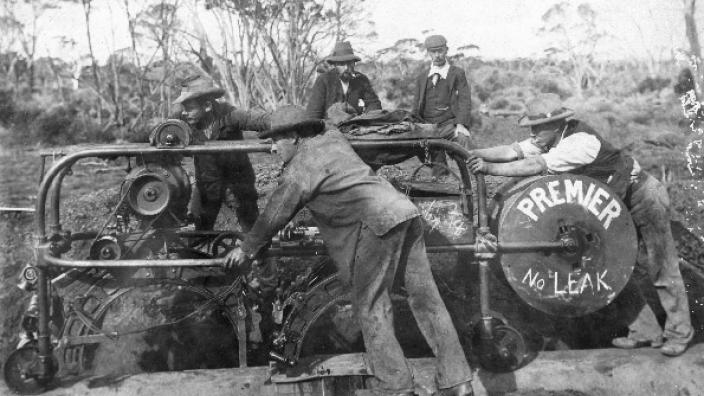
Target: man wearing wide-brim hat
[559, 143]
[371, 232]
[442, 96]
[211, 119]
[342, 84]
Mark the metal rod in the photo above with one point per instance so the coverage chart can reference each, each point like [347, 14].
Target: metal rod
[130, 150]
[43, 332]
[484, 308]
[511, 247]
[227, 147]
[55, 203]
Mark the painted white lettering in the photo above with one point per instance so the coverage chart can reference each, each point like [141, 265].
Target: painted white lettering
[540, 284]
[531, 279]
[597, 199]
[555, 193]
[586, 279]
[526, 206]
[573, 191]
[610, 212]
[600, 281]
[556, 284]
[570, 283]
[539, 196]
[588, 195]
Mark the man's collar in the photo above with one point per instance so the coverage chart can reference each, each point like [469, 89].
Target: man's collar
[441, 70]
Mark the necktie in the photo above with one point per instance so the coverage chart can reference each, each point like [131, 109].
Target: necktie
[434, 78]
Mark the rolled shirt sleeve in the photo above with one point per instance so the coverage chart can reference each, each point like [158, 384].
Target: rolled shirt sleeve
[570, 153]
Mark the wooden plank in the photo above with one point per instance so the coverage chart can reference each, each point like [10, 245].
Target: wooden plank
[592, 372]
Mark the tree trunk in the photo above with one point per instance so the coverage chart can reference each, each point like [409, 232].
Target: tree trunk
[695, 48]
[94, 65]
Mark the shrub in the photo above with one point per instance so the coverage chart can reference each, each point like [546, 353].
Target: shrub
[54, 126]
[7, 107]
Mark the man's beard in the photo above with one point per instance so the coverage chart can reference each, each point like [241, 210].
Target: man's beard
[347, 75]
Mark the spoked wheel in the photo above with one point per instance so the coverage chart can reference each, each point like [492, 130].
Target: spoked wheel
[322, 323]
[505, 351]
[223, 243]
[22, 371]
[155, 325]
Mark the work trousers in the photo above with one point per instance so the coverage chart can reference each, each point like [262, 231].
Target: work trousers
[649, 205]
[214, 174]
[446, 131]
[378, 259]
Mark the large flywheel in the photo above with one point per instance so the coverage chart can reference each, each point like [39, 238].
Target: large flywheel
[579, 209]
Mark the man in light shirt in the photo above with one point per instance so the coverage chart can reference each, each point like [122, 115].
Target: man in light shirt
[443, 97]
[558, 144]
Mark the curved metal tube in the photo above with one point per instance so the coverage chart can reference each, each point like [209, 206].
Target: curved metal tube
[55, 206]
[132, 150]
[66, 162]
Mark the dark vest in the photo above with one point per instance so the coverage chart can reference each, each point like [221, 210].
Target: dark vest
[437, 102]
[610, 166]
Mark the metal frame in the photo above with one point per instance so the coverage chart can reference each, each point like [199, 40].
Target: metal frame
[51, 244]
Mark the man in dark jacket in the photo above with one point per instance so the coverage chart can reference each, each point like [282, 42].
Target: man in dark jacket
[214, 120]
[561, 144]
[342, 84]
[371, 231]
[443, 97]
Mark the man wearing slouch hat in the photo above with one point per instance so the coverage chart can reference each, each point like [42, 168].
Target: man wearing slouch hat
[373, 233]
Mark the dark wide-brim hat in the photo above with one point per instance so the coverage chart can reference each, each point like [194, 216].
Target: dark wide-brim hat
[343, 53]
[292, 118]
[543, 109]
[198, 87]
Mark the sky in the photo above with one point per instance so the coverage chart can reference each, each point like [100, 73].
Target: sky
[501, 28]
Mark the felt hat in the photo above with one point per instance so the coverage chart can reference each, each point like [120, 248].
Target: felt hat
[343, 53]
[544, 108]
[198, 87]
[292, 118]
[435, 41]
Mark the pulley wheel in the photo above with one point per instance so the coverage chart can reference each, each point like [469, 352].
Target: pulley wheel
[505, 351]
[22, 371]
[106, 248]
[171, 133]
[148, 195]
[584, 278]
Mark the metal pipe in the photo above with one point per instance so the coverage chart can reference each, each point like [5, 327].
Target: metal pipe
[130, 150]
[510, 247]
[43, 332]
[481, 202]
[55, 204]
[484, 308]
[220, 147]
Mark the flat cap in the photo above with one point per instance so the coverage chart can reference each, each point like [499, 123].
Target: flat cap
[435, 41]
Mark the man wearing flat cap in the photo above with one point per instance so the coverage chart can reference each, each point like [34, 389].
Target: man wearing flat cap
[561, 144]
[373, 233]
[442, 96]
[342, 84]
[211, 119]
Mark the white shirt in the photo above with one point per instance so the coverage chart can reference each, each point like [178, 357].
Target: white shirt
[345, 86]
[570, 153]
[441, 70]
